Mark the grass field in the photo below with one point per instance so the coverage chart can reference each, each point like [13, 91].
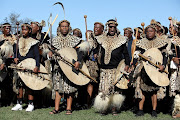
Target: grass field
[43, 114]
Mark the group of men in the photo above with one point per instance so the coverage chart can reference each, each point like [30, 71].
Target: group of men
[104, 53]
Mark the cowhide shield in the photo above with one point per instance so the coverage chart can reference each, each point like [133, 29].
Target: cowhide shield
[122, 81]
[32, 80]
[70, 54]
[159, 78]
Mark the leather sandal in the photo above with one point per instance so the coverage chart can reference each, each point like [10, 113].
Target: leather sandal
[54, 112]
[68, 112]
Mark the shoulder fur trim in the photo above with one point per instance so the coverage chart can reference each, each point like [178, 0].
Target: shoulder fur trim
[110, 43]
[148, 44]
[11, 39]
[176, 40]
[25, 45]
[60, 41]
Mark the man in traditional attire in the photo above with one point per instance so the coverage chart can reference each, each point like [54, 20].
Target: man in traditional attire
[43, 98]
[27, 47]
[144, 85]
[140, 33]
[160, 31]
[92, 61]
[62, 85]
[112, 50]
[77, 32]
[7, 41]
[174, 55]
[129, 34]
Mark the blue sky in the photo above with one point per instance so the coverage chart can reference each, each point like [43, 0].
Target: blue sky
[129, 13]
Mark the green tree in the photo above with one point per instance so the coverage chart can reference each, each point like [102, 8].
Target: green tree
[13, 18]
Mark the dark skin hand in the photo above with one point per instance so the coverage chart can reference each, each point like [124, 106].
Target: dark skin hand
[2, 66]
[16, 60]
[131, 68]
[175, 60]
[95, 56]
[50, 54]
[126, 68]
[76, 65]
[161, 68]
[34, 70]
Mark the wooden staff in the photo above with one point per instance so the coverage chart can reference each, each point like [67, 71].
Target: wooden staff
[85, 16]
[17, 38]
[172, 29]
[142, 24]
[134, 46]
[146, 58]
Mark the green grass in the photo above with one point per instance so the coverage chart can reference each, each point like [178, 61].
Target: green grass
[43, 114]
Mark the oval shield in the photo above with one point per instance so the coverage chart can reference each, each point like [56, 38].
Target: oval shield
[33, 81]
[121, 80]
[159, 78]
[70, 55]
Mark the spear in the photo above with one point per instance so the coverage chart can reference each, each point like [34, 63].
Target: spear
[172, 29]
[17, 38]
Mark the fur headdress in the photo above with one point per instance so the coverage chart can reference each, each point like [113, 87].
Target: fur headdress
[175, 22]
[111, 21]
[99, 23]
[153, 22]
[26, 25]
[150, 26]
[129, 29]
[140, 30]
[6, 25]
[42, 24]
[77, 30]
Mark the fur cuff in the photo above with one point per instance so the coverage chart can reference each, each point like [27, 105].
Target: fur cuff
[102, 102]
[117, 101]
[176, 108]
